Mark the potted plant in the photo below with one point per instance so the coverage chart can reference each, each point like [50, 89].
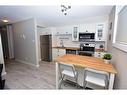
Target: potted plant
[107, 57]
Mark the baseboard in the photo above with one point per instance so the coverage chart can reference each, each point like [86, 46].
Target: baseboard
[25, 62]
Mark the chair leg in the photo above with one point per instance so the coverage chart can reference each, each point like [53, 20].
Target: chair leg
[84, 84]
[106, 82]
[61, 81]
[76, 79]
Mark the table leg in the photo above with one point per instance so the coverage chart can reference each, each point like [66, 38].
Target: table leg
[57, 75]
[111, 81]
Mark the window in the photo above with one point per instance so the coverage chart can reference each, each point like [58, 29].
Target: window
[120, 29]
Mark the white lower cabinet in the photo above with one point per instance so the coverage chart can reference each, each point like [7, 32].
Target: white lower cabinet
[61, 52]
[99, 54]
[54, 53]
[57, 52]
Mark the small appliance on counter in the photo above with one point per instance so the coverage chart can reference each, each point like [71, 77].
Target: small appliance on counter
[87, 49]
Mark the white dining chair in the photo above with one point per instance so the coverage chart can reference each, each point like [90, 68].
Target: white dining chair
[96, 77]
[68, 70]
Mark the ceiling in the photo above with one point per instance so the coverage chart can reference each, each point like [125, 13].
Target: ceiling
[51, 15]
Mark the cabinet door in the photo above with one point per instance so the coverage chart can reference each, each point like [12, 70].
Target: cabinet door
[60, 30]
[91, 28]
[75, 33]
[100, 32]
[44, 31]
[61, 52]
[82, 28]
[99, 54]
[64, 30]
[47, 31]
[68, 30]
[54, 53]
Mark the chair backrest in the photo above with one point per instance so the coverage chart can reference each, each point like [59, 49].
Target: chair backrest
[69, 67]
[97, 71]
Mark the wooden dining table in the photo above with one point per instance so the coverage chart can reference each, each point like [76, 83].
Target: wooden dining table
[86, 62]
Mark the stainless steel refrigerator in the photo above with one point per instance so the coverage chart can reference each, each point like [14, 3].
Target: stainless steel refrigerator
[46, 47]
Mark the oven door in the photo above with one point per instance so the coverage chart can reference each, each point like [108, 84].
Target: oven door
[87, 51]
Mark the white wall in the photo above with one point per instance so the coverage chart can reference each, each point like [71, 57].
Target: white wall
[110, 32]
[40, 30]
[119, 59]
[10, 41]
[1, 57]
[25, 43]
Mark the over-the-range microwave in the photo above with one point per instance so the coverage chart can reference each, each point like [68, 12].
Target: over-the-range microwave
[86, 37]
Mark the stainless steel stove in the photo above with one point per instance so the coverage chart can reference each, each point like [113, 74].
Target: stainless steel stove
[87, 49]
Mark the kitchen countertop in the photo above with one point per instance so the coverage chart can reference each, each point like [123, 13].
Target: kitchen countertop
[100, 50]
[86, 61]
[71, 48]
[76, 48]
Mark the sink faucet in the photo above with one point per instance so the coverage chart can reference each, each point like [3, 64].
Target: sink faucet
[61, 43]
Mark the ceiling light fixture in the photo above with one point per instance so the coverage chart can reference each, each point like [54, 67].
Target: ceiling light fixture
[64, 9]
[5, 20]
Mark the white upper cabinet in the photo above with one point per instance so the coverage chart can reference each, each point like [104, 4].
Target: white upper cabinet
[57, 52]
[90, 28]
[44, 31]
[101, 32]
[47, 31]
[65, 30]
[82, 28]
[75, 33]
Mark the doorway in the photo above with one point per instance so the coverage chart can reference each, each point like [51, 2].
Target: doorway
[7, 41]
[3, 31]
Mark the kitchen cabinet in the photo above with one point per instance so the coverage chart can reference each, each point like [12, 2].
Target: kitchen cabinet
[90, 28]
[47, 31]
[54, 53]
[57, 52]
[99, 54]
[44, 31]
[65, 30]
[101, 32]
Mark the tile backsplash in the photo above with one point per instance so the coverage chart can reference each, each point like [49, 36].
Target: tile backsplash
[67, 42]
